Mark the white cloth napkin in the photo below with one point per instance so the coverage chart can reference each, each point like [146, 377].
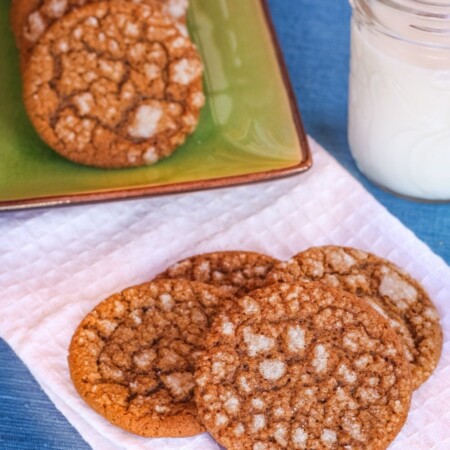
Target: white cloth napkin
[58, 264]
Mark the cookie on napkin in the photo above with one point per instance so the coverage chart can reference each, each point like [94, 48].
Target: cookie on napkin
[235, 272]
[383, 285]
[302, 366]
[132, 358]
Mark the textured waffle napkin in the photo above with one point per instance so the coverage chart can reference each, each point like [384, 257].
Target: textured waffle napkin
[58, 264]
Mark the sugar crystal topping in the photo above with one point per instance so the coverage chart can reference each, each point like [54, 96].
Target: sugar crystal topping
[397, 289]
[271, 369]
[257, 343]
[328, 437]
[320, 361]
[299, 438]
[296, 338]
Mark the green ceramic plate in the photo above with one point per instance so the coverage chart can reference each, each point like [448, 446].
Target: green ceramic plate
[250, 129]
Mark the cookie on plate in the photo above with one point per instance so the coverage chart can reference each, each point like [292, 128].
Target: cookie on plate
[30, 19]
[302, 366]
[114, 84]
[235, 272]
[132, 358]
[384, 286]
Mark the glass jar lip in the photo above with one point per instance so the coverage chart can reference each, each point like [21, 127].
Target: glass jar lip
[362, 18]
[436, 10]
[432, 3]
[431, 22]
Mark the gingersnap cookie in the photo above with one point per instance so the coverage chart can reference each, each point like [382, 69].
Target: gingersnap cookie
[398, 296]
[114, 84]
[30, 19]
[132, 358]
[302, 366]
[236, 273]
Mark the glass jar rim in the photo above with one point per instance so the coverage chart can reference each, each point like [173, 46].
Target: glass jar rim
[429, 9]
[428, 27]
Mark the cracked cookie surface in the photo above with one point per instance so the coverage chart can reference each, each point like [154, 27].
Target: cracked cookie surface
[384, 286]
[235, 272]
[114, 84]
[30, 19]
[302, 366]
[132, 358]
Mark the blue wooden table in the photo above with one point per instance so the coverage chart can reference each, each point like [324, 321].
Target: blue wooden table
[315, 40]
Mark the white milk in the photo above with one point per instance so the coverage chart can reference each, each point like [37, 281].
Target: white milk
[399, 115]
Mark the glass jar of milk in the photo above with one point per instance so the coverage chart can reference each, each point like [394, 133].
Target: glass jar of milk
[399, 105]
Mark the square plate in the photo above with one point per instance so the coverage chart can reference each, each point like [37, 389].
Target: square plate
[250, 129]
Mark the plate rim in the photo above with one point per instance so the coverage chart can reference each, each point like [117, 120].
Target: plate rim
[190, 186]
